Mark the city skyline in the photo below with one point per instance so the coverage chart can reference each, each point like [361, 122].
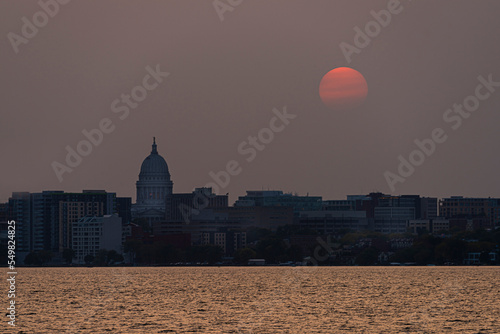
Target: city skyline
[250, 166]
[213, 181]
[220, 81]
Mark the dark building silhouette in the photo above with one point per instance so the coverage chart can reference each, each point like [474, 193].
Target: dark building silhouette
[458, 207]
[124, 209]
[44, 220]
[154, 189]
[185, 207]
[278, 198]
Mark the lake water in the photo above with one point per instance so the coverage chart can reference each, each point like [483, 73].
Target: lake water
[258, 300]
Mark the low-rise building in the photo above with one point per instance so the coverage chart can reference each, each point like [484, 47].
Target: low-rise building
[229, 241]
[434, 226]
[276, 198]
[458, 207]
[91, 234]
[331, 222]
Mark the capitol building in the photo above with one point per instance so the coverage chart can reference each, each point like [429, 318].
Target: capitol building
[154, 188]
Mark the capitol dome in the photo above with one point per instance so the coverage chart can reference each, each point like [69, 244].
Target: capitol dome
[154, 165]
[154, 185]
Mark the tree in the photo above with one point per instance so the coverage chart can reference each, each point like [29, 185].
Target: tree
[114, 257]
[272, 249]
[367, 257]
[242, 255]
[294, 253]
[404, 255]
[350, 238]
[45, 256]
[38, 258]
[32, 259]
[450, 250]
[167, 253]
[89, 258]
[214, 254]
[205, 253]
[68, 255]
[101, 258]
[484, 257]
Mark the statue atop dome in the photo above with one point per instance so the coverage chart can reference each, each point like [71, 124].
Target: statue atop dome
[154, 150]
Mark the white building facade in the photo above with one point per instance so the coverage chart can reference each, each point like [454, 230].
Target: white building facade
[91, 234]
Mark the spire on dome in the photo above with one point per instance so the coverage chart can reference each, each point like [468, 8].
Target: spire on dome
[154, 151]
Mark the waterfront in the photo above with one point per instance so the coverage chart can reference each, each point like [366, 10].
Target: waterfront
[258, 300]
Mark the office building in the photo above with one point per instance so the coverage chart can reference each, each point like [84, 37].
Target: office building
[91, 234]
[278, 198]
[458, 207]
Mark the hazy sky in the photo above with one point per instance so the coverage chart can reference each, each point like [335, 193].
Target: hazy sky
[225, 79]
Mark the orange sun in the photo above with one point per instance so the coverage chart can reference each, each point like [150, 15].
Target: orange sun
[343, 88]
